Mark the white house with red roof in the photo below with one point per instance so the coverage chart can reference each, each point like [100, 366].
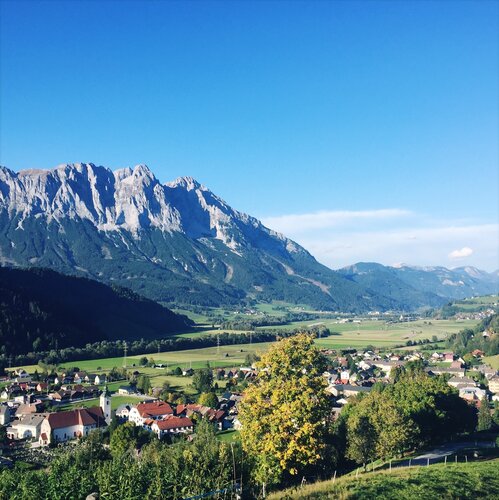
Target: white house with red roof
[155, 410]
[172, 425]
[66, 425]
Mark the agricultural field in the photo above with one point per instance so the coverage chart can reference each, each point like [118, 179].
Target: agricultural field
[345, 335]
[227, 356]
[476, 303]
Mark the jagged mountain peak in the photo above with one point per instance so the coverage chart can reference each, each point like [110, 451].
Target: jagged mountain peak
[187, 182]
[129, 199]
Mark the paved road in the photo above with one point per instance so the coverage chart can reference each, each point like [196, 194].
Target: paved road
[438, 454]
[450, 448]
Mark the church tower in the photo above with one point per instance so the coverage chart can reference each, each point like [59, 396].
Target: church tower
[105, 404]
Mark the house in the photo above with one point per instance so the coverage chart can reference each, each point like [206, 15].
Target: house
[5, 415]
[457, 372]
[365, 365]
[477, 353]
[448, 356]
[216, 417]
[99, 379]
[494, 384]
[172, 425]
[346, 390]
[188, 372]
[60, 396]
[388, 366]
[29, 408]
[459, 382]
[28, 427]
[330, 377]
[11, 392]
[472, 393]
[66, 425]
[126, 390]
[123, 412]
[42, 387]
[487, 371]
[155, 410]
[22, 377]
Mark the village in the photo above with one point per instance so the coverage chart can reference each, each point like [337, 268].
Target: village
[37, 414]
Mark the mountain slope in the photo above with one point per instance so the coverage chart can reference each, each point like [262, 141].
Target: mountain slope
[430, 284]
[41, 310]
[180, 243]
[381, 279]
[173, 243]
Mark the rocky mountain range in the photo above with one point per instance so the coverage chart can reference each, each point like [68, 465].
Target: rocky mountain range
[174, 243]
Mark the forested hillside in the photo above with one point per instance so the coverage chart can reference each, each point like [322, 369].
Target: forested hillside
[41, 309]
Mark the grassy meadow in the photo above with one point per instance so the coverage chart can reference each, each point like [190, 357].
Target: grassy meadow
[377, 333]
[464, 481]
[493, 361]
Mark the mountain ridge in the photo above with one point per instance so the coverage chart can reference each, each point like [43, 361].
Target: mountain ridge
[175, 243]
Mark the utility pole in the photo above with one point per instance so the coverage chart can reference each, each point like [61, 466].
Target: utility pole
[125, 348]
[218, 344]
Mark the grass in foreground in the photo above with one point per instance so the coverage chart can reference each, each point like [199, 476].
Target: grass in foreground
[472, 480]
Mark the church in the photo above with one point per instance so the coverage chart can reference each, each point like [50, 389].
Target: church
[67, 425]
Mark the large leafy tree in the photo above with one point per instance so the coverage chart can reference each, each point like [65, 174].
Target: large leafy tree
[285, 412]
[435, 408]
[484, 417]
[361, 437]
[202, 380]
[208, 399]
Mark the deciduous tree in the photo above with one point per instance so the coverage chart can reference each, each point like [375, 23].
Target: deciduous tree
[285, 412]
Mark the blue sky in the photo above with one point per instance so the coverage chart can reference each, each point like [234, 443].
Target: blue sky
[364, 130]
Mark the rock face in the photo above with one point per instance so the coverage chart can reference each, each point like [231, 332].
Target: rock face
[126, 200]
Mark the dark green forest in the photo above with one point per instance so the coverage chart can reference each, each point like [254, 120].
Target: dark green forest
[41, 310]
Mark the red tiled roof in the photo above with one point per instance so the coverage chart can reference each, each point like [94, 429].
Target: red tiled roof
[81, 416]
[174, 423]
[154, 409]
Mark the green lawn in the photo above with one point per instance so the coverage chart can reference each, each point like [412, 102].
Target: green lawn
[88, 403]
[228, 436]
[121, 400]
[493, 361]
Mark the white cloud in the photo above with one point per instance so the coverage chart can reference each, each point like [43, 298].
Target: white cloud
[461, 254]
[340, 238]
[294, 223]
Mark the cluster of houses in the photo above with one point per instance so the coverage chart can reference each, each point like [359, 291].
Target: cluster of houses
[55, 427]
[69, 386]
[359, 373]
[163, 418]
[22, 411]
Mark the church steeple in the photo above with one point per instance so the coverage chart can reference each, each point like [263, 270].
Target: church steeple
[105, 404]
